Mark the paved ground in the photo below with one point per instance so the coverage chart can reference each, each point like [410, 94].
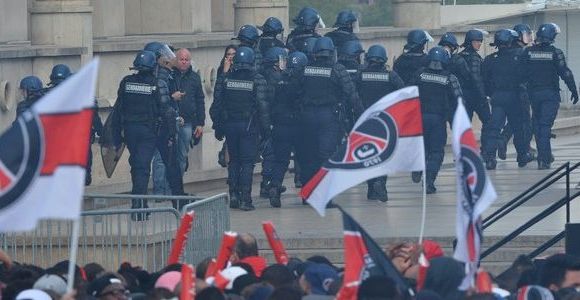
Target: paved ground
[400, 216]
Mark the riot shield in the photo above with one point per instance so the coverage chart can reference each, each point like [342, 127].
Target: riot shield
[110, 153]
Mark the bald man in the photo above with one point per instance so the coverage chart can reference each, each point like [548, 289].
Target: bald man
[187, 92]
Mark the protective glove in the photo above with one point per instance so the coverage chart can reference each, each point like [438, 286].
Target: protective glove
[574, 97]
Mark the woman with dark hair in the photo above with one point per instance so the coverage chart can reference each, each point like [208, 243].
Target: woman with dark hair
[225, 67]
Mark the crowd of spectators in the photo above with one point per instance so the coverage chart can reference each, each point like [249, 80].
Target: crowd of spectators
[250, 277]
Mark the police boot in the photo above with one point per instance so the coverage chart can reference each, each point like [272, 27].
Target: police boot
[246, 198]
[525, 159]
[88, 179]
[416, 176]
[274, 194]
[502, 149]
[542, 165]
[137, 204]
[430, 184]
[265, 189]
[490, 163]
[234, 197]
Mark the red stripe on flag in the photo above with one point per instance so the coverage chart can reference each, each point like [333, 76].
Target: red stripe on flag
[468, 139]
[5, 180]
[67, 139]
[471, 242]
[407, 116]
[313, 183]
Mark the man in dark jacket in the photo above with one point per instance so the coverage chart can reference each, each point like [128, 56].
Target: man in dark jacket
[187, 92]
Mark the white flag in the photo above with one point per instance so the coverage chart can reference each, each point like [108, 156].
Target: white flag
[475, 194]
[44, 154]
[386, 139]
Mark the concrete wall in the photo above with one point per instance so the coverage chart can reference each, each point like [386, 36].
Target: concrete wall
[13, 21]
[168, 16]
[221, 15]
[461, 14]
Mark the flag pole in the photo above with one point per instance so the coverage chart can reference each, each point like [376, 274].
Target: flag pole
[73, 256]
[424, 212]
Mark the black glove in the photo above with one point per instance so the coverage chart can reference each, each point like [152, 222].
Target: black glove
[574, 97]
[219, 134]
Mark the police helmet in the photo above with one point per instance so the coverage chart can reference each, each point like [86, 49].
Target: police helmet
[144, 61]
[272, 25]
[438, 54]
[324, 47]
[345, 18]
[297, 60]
[307, 18]
[352, 48]
[503, 37]
[473, 35]
[547, 33]
[248, 34]
[244, 58]
[377, 53]
[160, 50]
[31, 84]
[417, 38]
[522, 28]
[59, 73]
[308, 46]
[449, 40]
[274, 54]
[153, 46]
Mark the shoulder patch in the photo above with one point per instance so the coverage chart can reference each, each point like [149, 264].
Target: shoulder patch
[317, 71]
[139, 88]
[375, 76]
[239, 85]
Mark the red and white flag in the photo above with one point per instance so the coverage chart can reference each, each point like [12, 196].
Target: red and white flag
[475, 194]
[386, 139]
[44, 154]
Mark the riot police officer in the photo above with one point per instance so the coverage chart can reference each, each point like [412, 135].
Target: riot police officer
[503, 77]
[522, 40]
[306, 23]
[59, 74]
[346, 25]
[457, 65]
[374, 82]
[326, 88]
[248, 36]
[270, 30]
[544, 64]
[31, 90]
[473, 88]
[308, 47]
[438, 89]
[239, 110]
[283, 95]
[350, 56]
[414, 56]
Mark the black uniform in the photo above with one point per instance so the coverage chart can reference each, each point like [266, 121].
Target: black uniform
[544, 65]
[266, 42]
[374, 82]
[409, 63]
[504, 80]
[341, 36]
[326, 88]
[296, 38]
[474, 97]
[240, 109]
[439, 89]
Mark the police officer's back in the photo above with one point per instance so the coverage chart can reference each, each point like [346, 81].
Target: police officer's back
[545, 65]
[308, 47]
[270, 30]
[326, 87]
[414, 56]
[346, 24]
[306, 23]
[350, 56]
[240, 109]
[374, 82]
[31, 90]
[438, 88]
[473, 85]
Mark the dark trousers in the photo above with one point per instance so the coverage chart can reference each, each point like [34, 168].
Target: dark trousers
[472, 104]
[242, 139]
[284, 137]
[319, 133]
[526, 120]
[545, 104]
[507, 105]
[268, 158]
[434, 138]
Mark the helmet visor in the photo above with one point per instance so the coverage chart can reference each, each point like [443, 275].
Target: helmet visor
[356, 26]
[558, 31]
[282, 62]
[429, 37]
[321, 24]
[166, 53]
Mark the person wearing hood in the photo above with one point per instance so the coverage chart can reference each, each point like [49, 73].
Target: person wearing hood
[307, 21]
[504, 79]
[346, 28]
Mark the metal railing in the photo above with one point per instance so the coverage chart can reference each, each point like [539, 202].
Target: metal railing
[527, 195]
[109, 236]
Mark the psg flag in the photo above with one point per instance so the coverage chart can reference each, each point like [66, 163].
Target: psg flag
[387, 138]
[44, 154]
[364, 258]
[475, 194]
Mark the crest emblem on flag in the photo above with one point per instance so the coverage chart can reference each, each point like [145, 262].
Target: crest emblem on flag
[19, 166]
[370, 143]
